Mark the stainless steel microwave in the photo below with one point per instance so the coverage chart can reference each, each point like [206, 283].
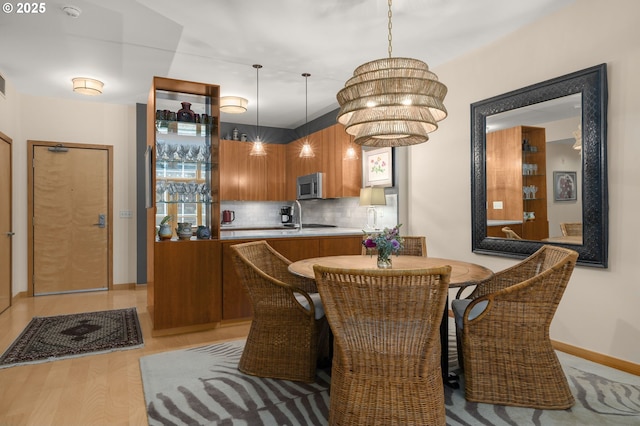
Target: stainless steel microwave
[309, 186]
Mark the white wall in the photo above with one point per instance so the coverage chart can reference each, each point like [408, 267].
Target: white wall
[600, 309]
[24, 117]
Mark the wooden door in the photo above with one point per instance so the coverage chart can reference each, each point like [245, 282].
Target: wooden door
[5, 222]
[71, 222]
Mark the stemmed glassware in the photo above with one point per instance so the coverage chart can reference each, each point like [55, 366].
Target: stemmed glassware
[169, 152]
[161, 187]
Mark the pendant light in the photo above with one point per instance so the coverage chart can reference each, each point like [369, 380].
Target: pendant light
[307, 150]
[392, 101]
[258, 148]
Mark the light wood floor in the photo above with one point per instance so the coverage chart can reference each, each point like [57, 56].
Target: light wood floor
[101, 389]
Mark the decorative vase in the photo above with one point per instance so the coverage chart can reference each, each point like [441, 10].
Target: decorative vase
[164, 232]
[384, 261]
[184, 230]
[203, 233]
[185, 114]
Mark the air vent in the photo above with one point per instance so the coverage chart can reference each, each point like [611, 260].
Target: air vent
[2, 84]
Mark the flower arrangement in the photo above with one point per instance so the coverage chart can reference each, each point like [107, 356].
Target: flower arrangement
[385, 243]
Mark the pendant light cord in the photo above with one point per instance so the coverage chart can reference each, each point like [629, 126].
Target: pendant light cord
[257, 67]
[306, 76]
[389, 14]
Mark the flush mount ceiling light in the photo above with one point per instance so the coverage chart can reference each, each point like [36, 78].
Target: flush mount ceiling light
[87, 86]
[233, 104]
[307, 150]
[392, 101]
[257, 149]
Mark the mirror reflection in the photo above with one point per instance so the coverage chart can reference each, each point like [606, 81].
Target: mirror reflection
[534, 171]
[548, 185]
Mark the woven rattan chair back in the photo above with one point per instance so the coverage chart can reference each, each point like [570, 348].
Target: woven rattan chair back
[507, 353]
[386, 362]
[284, 337]
[510, 233]
[412, 246]
[571, 229]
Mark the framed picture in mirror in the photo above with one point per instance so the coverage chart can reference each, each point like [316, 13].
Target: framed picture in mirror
[565, 186]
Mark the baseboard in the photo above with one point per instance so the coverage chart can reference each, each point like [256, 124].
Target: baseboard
[125, 286]
[618, 364]
[19, 296]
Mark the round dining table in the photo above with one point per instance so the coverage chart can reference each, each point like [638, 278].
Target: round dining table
[463, 274]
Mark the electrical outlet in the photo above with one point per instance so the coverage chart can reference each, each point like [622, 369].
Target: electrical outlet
[126, 214]
[497, 205]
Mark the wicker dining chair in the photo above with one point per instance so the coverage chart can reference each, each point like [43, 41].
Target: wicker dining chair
[288, 317]
[571, 229]
[411, 246]
[510, 233]
[507, 355]
[386, 358]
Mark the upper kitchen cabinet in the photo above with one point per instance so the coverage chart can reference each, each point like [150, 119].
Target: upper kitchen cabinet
[251, 178]
[343, 175]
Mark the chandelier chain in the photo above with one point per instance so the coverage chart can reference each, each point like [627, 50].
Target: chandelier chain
[389, 14]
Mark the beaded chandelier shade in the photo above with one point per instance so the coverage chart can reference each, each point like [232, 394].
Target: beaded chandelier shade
[392, 101]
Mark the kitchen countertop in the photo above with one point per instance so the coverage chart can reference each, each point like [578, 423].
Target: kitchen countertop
[503, 222]
[238, 234]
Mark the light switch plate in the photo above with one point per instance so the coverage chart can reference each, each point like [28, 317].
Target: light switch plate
[126, 214]
[497, 205]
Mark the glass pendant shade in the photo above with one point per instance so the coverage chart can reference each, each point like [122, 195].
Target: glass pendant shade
[257, 149]
[392, 102]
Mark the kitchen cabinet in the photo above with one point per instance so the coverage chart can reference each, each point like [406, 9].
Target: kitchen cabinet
[183, 278]
[343, 177]
[244, 177]
[236, 303]
[516, 179]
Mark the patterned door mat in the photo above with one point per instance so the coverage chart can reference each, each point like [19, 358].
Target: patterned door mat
[66, 336]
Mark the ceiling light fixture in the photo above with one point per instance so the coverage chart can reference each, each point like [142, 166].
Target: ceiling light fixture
[233, 104]
[258, 148]
[392, 101]
[307, 150]
[87, 86]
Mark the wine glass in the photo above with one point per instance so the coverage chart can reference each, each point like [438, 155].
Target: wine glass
[170, 152]
[161, 187]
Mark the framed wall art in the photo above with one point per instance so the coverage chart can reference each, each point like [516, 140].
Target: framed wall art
[377, 167]
[565, 186]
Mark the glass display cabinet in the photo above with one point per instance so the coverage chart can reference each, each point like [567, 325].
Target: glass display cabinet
[183, 209]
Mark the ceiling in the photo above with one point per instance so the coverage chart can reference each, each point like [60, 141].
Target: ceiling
[124, 43]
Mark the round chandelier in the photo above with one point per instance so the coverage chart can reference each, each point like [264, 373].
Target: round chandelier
[392, 101]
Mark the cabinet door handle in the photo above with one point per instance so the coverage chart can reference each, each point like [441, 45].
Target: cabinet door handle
[10, 234]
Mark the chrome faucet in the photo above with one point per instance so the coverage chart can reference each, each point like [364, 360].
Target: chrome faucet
[299, 215]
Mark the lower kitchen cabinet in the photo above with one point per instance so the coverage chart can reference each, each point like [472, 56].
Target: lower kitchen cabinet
[235, 301]
[186, 294]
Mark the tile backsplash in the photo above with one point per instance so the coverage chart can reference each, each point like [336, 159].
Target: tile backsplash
[342, 212]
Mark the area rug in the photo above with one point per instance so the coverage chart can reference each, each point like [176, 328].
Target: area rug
[202, 386]
[65, 336]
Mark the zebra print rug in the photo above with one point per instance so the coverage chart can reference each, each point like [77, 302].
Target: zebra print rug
[202, 386]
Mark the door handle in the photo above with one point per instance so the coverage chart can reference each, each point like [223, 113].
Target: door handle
[10, 234]
[101, 221]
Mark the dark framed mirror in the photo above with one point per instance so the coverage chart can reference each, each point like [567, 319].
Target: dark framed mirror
[540, 177]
